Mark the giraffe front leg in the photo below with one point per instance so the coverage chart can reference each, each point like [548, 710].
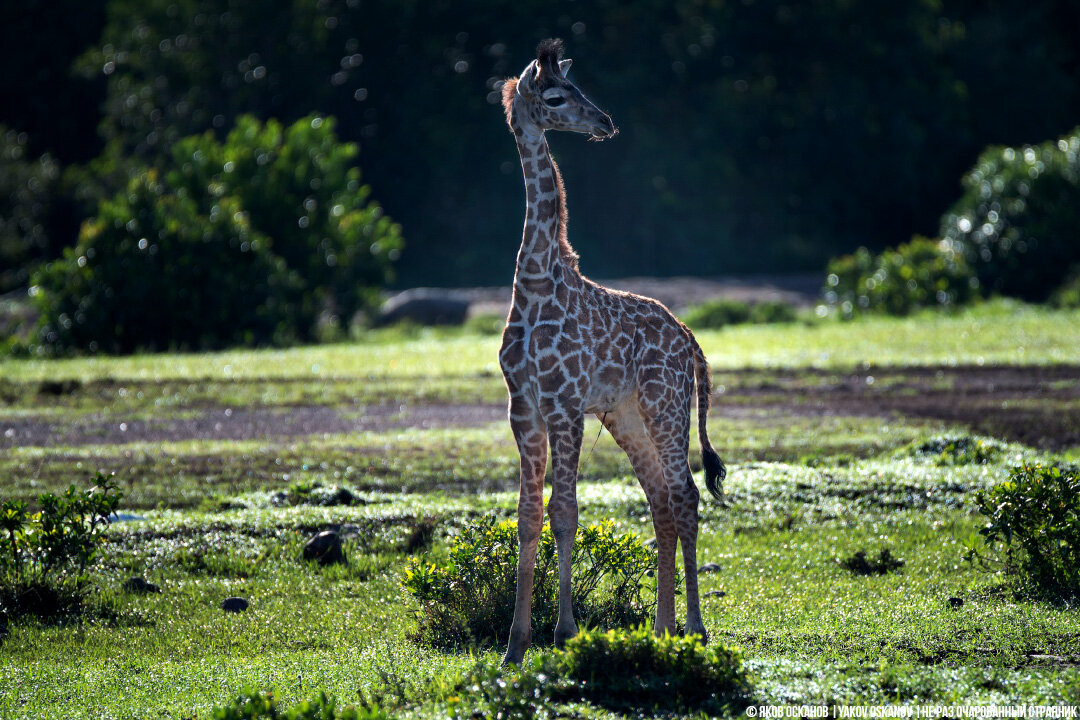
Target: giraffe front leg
[565, 440]
[532, 447]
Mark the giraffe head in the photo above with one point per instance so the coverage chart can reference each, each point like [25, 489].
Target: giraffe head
[543, 99]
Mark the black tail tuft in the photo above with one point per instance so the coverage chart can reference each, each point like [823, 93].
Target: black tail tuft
[715, 472]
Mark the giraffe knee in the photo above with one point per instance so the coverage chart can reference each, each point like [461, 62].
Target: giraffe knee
[683, 496]
[564, 518]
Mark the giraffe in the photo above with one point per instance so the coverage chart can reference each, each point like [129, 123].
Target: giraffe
[572, 347]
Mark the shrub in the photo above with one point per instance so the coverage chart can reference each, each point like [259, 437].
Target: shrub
[44, 555]
[950, 450]
[1036, 514]
[771, 311]
[635, 670]
[919, 274]
[469, 596]
[719, 312]
[152, 273]
[300, 188]
[1017, 220]
[624, 670]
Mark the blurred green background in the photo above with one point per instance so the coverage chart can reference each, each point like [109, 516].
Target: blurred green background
[757, 136]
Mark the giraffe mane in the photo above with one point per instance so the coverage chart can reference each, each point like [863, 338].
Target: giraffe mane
[566, 250]
[509, 91]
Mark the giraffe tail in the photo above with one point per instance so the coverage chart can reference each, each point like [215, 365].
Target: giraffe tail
[715, 472]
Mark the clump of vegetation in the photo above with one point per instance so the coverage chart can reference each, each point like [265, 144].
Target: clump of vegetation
[1016, 221]
[267, 238]
[950, 450]
[720, 312]
[44, 555]
[920, 274]
[468, 597]
[883, 564]
[635, 670]
[1035, 514]
[151, 272]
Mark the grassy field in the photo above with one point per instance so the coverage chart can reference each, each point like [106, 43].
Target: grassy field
[407, 424]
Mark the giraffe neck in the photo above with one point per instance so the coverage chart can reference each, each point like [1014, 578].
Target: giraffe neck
[545, 253]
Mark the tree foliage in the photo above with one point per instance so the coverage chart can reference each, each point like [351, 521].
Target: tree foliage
[1018, 221]
[754, 135]
[250, 241]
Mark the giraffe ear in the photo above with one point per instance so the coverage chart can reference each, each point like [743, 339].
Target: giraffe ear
[564, 66]
[527, 81]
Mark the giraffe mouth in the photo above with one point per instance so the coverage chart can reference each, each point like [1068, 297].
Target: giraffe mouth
[600, 133]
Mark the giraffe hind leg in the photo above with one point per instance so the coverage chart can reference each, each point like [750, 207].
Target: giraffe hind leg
[626, 427]
[665, 411]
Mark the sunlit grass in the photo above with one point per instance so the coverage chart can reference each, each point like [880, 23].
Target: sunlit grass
[999, 332]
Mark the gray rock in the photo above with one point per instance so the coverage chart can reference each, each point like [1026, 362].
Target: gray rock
[709, 568]
[235, 604]
[325, 548]
[425, 306]
[140, 586]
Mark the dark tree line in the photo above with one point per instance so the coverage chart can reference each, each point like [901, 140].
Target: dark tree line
[756, 135]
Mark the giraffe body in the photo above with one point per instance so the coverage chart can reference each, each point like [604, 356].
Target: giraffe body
[572, 347]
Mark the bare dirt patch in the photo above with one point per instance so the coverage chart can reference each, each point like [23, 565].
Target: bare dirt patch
[1034, 405]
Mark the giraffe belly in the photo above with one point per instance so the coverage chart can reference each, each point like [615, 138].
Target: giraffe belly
[609, 388]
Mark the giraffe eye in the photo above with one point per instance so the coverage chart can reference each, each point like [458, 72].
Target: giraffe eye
[555, 101]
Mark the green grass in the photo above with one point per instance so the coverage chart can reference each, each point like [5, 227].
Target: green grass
[804, 492]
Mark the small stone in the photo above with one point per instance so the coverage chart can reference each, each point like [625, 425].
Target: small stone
[140, 586]
[325, 548]
[234, 604]
[715, 593]
[955, 602]
[709, 568]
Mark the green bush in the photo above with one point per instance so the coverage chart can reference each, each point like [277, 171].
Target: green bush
[720, 312]
[949, 450]
[468, 597]
[1017, 221]
[44, 555]
[919, 274]
[266, 238]
[151, 272]
[623, 670]
[1036, 515]
[635, 670]
[299, 187]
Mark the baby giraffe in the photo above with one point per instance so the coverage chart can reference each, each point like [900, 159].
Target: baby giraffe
[573, 347]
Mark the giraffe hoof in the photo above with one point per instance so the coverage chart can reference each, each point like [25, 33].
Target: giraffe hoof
[698, 630]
